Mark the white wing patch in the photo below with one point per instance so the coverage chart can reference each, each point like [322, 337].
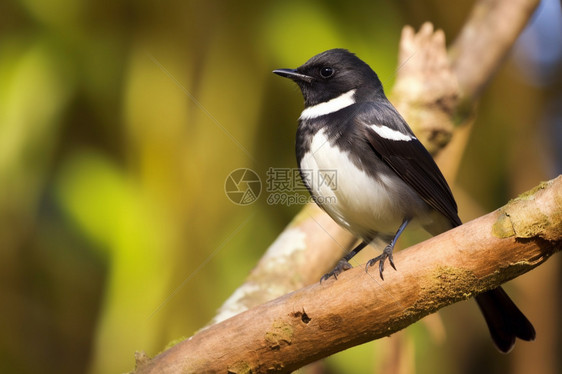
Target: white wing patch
[331, 106]
[388, 133]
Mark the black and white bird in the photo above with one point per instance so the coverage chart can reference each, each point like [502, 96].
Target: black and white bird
[386, 179]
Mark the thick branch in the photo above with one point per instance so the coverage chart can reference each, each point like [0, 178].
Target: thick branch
[314, 322]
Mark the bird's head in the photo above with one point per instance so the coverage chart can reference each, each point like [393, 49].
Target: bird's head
[333, 73]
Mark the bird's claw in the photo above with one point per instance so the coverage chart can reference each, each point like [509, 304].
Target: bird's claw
[341, 266]
[386, 253]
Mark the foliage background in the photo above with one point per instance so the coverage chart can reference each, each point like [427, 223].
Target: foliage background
[120, 121]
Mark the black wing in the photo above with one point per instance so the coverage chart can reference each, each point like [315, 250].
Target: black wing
[408, 158]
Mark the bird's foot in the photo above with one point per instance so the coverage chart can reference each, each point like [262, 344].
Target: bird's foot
[386, 253]
[342, 266]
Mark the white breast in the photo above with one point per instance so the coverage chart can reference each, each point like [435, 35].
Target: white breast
[356, 201]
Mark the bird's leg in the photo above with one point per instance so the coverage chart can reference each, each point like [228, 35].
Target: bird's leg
[344, 264]
[387, 252]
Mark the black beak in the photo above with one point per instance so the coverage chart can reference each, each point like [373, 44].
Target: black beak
[293, 74]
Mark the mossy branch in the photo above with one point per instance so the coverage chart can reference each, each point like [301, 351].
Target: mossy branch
[319, 320]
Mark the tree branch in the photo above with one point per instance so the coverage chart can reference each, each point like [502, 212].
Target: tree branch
[485, 40]
[319, 320]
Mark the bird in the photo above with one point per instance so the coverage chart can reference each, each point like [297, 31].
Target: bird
[386, 179]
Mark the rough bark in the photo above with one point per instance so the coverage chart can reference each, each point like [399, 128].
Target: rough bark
[319, 320]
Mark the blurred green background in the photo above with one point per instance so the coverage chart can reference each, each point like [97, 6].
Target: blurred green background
[120, 122]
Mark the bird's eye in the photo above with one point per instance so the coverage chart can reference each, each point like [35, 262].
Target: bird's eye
[326, 72]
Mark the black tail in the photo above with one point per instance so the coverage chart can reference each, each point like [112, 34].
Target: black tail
[505, 321]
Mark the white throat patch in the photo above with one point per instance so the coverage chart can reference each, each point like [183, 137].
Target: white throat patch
[331, 106]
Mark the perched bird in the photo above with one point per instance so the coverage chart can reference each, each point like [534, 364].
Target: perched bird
[386, 179]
